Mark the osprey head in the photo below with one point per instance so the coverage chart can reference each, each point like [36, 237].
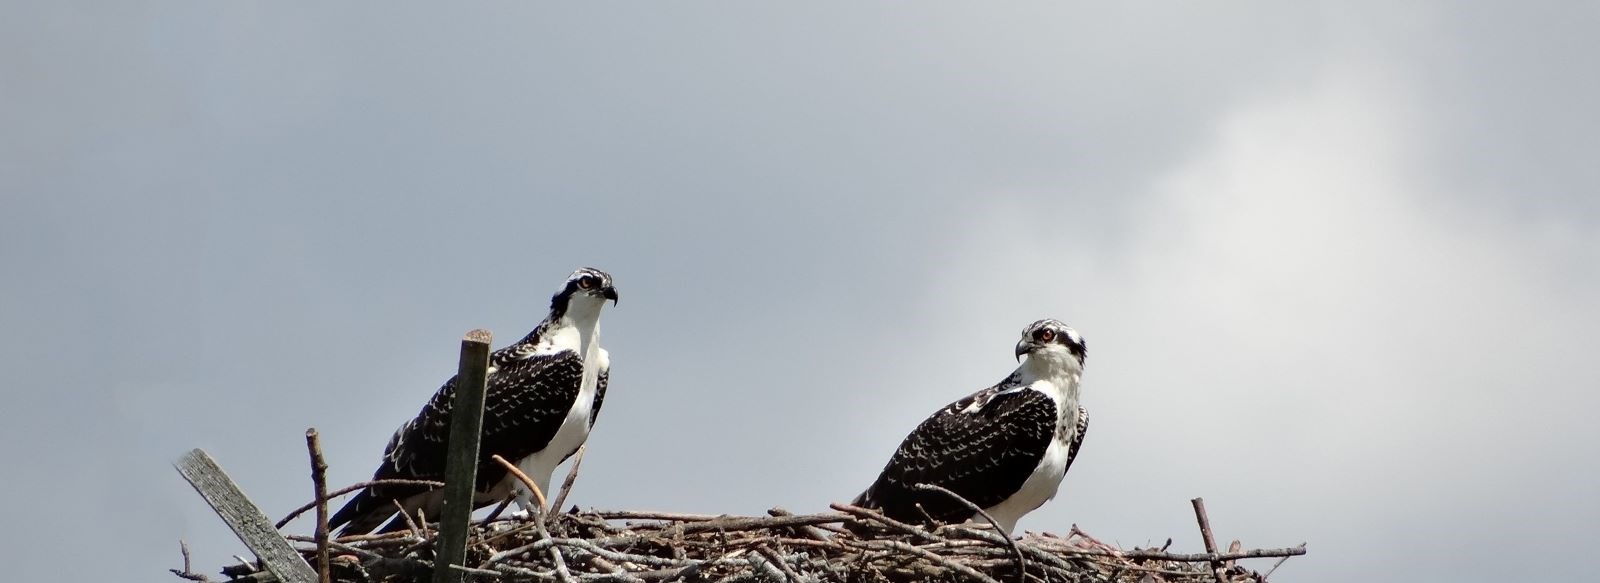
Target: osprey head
[586, 290]
[1049, 339]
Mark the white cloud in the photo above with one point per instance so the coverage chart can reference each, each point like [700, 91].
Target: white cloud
[1298, 328]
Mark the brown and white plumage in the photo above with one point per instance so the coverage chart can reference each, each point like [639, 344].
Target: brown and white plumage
[542, 397]
[1004, 448]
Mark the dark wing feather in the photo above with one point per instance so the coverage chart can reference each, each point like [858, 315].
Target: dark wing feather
[1076, 441]
[524, 404]
[985, 456]
[599, 394]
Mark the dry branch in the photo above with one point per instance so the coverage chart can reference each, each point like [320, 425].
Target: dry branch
[1210, 541]
[572, 476]
[319, 482]
[538, 495]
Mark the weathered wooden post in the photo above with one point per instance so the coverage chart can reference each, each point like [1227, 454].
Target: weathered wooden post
[461, 467]
[244, 518]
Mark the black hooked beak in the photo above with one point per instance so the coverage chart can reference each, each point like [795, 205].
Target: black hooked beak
[610, 293]
[1023, 347]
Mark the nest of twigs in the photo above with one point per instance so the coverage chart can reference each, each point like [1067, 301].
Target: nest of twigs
[595, 545]
[850, 544]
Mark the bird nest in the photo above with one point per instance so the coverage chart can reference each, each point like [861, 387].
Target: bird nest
[629, 546]
[849, 544]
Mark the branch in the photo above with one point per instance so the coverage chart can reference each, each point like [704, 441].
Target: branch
[188, 572]
[522, 477]
[1205, 533]
[319, 481]
[572, 476]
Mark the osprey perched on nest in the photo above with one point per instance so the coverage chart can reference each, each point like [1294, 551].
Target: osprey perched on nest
[1004, 448]
[541, 400]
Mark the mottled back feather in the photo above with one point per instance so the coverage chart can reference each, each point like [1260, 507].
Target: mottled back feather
[984, 455]
[525, 403]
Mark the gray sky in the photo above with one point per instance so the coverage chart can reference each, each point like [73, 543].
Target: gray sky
[1337, 264]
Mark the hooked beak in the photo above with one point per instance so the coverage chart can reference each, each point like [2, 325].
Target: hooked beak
[610, 293]
[1023, 347]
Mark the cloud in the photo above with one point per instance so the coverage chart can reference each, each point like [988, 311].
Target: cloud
[1297, 327]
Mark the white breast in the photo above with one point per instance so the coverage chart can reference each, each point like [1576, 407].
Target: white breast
[1045, 480]
[1040, 488]
[574, 428]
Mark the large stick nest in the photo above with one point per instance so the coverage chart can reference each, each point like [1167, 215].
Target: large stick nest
[594, 545]
[851, 544]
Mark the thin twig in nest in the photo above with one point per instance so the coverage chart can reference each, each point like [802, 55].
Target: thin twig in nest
[1022, 564]
[572, 476]
[353, 487]
[538, 495]
[188, 572]
[879, 518]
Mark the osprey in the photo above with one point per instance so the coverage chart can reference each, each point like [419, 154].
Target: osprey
[542, 396]
[1004, 448]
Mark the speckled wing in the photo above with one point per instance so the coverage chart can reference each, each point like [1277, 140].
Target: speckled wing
[524, 405]
[600, 393]
[1076, 440]
[982, 447]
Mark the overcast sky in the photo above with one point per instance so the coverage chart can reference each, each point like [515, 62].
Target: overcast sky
[1337, 265]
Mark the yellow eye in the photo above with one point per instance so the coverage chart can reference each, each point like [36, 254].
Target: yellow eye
[1045, 335]
[586, 282]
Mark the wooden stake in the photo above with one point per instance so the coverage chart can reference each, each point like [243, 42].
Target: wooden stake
[1205, 533]
[319, 483]
[248, 523]
[461, 468]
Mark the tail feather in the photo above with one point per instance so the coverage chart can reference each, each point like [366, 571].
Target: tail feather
[863, 529]
[360, 515]
[864, 499]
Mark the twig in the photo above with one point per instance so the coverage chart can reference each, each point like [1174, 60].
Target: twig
[351, 488]
[555, 551]
[926, 554]
[733, 523]
[811, 532]
[1205, 533]
[773, 557]
[652, 515]
[188, 572]
[1078, 532]
[1022, 564]
[538, 494]
[618, 572]
[878, 517]
[411, 524]
[1279, 563]
[479, 572]
[572, 476]
[319, 481]
[1157, 555]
